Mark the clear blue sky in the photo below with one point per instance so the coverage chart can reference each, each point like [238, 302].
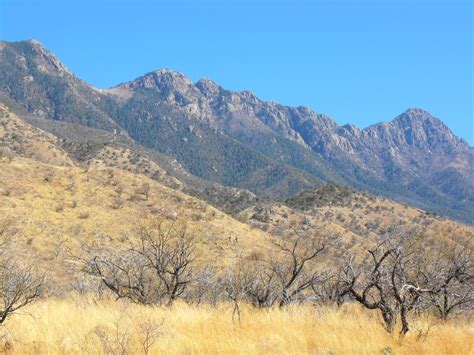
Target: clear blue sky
[360, 61]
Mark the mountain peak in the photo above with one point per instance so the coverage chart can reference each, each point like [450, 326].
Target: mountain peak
[44, 59]
[158, 79]
[208, 87]
[416, 114]
[34, 42]
[167, 72]
[417, 111]
[29, 42]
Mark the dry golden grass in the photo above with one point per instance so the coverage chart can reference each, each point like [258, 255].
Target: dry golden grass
[80, 325]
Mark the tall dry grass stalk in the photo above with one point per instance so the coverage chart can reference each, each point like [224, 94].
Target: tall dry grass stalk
[81, 325]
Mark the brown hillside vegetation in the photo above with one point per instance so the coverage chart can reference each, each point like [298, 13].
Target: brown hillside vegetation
[357, 218]
[79, 222]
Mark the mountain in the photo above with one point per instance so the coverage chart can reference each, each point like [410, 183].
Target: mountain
[34, 81]
[235, 139]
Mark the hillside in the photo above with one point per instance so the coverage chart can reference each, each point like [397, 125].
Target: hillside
[354, 218]
[237, 140]
[51, 202]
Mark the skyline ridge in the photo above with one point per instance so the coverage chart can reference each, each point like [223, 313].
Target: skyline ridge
[164, 71]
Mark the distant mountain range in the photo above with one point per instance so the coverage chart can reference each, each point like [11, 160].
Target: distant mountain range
[235, 139]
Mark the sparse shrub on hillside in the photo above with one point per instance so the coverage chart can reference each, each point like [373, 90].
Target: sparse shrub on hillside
[59, 207]
[196, 217]
[117, 203]
[70, 186]
[5, 192]
[172, 215]
[143, 190]
[83, 215]
[6, 154]
[48, 177]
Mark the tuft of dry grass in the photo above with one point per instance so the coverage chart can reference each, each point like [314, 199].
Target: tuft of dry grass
[76, 325]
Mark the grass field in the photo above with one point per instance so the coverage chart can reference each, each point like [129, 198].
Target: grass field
[81, 325]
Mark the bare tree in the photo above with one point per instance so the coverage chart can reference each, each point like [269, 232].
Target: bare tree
[169, 253]
[126, 275]
[451, 271]
[389, 280]
[19, 283]
[150, 331]
[155, 268]
[264, 287]
[282, 279]
[237, 281]
[292, 269]
[330, 288]
[205, 288]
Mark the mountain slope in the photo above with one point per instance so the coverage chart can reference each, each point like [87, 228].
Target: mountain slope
[50, 202]
[236, 139]
[415, 158]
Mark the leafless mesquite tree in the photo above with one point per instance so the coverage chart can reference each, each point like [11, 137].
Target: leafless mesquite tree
[19, 283]
[293, 271]
[206, 287]
[154, 269]
[389, 281]
[450, 270]
[237, 281]
[330, 288]
[281, 280]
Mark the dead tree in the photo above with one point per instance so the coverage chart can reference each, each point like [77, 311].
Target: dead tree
[237, 281]
[205, 288]
[19, 283]
[451, 271]
[126, 276]
[264, 286]
[388, 281]
[331, 288]
[371, 290]
[155, 269]
[169, 253]
[292, 271]
[19, 286]
[282, 279]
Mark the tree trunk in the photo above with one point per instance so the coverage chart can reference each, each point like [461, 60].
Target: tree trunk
[388, 319]
[403, 318]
